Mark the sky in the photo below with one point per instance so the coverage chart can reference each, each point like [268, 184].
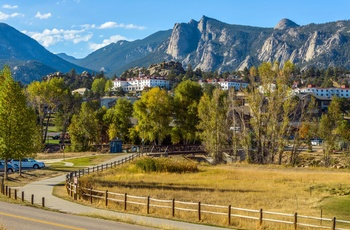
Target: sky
[79, 27]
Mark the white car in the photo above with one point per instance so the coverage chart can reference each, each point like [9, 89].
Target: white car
[29, 163]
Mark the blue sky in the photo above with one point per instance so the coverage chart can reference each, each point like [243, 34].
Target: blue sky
[79, 27]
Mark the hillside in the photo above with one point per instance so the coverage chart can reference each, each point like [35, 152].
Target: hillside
[27, 58]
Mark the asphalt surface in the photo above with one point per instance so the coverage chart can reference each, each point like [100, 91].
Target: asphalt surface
[24, 217]
[44, 188]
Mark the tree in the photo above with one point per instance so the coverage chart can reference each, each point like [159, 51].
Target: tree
[70, 105]
[186, 98]
[45, 97]
[108, 87]
[154, 114]
[329, 128]
[84, 129]
[118, 119]
[18, 130]
[271, 109]
[213, 126]
[98, 86]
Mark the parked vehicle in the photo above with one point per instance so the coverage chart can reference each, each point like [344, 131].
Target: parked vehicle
[14, 166]
[29, 163]
[316, 142]
[10, 167]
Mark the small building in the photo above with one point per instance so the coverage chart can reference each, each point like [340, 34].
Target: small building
[225, 84]
[342, 92]
[140, 83]
[116, 146]
[81, 91]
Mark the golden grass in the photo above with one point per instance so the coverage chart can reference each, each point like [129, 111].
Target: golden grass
[270, 187]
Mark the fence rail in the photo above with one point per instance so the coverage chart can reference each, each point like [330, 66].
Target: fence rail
[261, 216]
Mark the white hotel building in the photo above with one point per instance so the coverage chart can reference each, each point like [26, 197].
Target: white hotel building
[225, 84]
[140, 83]
[342, 92]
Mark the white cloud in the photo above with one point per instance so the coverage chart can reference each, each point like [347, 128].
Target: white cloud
[132, 26]
[50, 37]
[7, 6]
[88, 26]
[105, 42]
[4, 16]
[108, 25]
[42, 16]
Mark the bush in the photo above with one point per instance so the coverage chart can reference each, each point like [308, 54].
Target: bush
[170, 165]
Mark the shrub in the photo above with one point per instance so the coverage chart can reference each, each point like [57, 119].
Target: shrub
[170, 165]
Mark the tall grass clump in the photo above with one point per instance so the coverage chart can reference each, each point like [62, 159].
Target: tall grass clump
[170, 165]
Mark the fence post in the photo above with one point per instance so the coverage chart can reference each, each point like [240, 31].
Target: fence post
[125, 200]
[93, 169]
[106, 197]
[6, 192]
[15, 194]
[334, 221]
[296, 221]
[173, 208]
[9, 192]
[32, 199]
[148, 205]
[71, 189]
[83, 172]
[199, 211]
[229, 215]
[88, 171]
[321, 217]
[75, 192]
[22, 196]
[90, 195]
[43, 201]
[261, 217]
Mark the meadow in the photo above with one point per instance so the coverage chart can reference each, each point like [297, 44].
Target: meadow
[307, 191]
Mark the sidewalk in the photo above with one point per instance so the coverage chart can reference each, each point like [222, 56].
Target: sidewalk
[44, 189]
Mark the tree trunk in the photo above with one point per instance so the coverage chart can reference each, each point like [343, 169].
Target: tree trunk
[46, 128]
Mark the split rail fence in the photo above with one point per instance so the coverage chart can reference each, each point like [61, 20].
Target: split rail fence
[199, 209]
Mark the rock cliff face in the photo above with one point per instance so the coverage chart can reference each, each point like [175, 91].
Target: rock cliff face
[212, 45]
[216, 46]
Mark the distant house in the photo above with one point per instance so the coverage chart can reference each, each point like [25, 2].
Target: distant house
[109, 102]
[81, 91]
[342, 92]
[225, 84]
[140, 83]
[322, 103]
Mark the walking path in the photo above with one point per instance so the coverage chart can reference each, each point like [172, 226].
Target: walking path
[44, 188]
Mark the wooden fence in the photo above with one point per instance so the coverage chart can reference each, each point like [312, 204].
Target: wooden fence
[175, 206]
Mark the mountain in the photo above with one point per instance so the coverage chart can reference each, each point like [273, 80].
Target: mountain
[68, 58]
[217, 46]
[121, 54]
[27, 58]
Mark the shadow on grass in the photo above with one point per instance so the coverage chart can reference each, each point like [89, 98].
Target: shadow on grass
[171, 186]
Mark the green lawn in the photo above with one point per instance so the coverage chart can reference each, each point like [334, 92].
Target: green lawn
[339, 206]
[91, 160]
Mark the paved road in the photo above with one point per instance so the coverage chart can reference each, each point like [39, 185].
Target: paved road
[44, 189]
[23, 217]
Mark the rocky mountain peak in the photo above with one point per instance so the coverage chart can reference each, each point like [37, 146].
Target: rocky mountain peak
[285, 23]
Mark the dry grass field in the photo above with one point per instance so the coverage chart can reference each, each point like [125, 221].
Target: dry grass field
[283, 189]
